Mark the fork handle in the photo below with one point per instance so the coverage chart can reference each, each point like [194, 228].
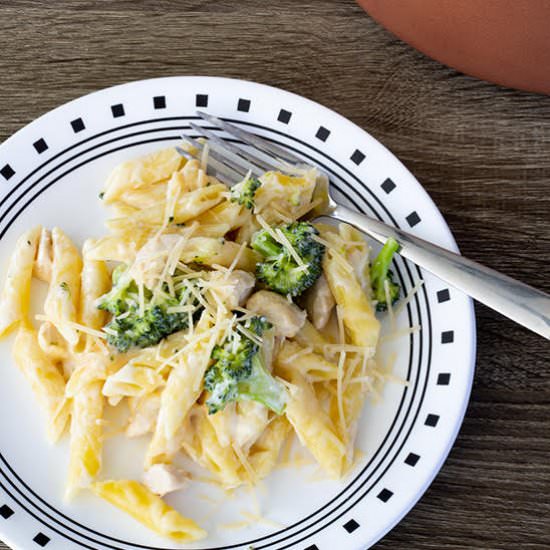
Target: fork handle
[522, 303]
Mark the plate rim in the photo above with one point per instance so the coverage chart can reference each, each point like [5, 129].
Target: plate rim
[459, 419]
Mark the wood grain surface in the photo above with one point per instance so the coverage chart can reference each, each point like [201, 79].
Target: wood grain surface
[482, 152]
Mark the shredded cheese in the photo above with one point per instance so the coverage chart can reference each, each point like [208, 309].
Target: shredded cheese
[336, 255]
[410, 295]
[291, 358]
[301, 212]
[249, 334]
[389, 303]
[72, 324]
[245, 464]
[181, 309]
[349, 348]
[204, 156]
[341, 363]
[395, 334]
[279, 237]
[236, 259]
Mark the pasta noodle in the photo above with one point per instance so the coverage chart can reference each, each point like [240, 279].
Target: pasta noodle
[45, 379]
[62, 301]
[14, 301]
[135, 499]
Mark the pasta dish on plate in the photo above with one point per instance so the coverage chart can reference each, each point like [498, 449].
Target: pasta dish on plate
[218, 316]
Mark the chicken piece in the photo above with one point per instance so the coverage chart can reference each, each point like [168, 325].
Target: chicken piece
[234, 289]
[151, 258]
[287, 318]
[251, 422]
[164, 478]
[319, 303]
[144, 411]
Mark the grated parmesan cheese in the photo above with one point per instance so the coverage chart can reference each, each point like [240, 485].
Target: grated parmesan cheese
[204, 156]
[72, 324]
[236, 259]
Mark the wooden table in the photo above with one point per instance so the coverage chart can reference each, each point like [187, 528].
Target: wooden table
[482, 152]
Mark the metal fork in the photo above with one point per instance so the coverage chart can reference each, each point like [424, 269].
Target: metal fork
[524, 304]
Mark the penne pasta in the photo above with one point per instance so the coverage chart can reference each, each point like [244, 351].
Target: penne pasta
[63, 297]
[149, 509]
[227, 213]
[137, 173]
[86, 437]
[146, 196]
[357, 310]
[95, 281]
[265, 451]
[42, 268]
[309, 337]
[15, 297]
[357, 255]
[313, 426]
[311, 365]
[284, 195]
[116, 248]
[189, 206]
[183, 387]
[51, 342]
[204, 447]
[133, 380]
[207, 251]
[45, 379]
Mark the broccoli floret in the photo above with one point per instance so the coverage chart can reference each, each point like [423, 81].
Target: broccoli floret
[380, 273]
[239, 371]
[280, 271]
[244, 192]
[131, 326]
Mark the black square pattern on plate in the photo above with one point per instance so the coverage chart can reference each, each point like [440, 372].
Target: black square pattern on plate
[78, 125]
[284, 116]
[431, 420]
[159, 102]
[447, 337]
[40, 145]
[357, 157]
[41, 539]
[322, 133]
[117, 110]
[201, 100]
[312, 547]
[243, 105]
[384, 495]
[412, 459]
[351, 526]
[388, 185]
[6, 512]
[412, 219]
[443, 379]
[7, 171]
[443, 295]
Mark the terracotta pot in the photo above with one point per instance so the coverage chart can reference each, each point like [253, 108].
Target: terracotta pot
[503, 41]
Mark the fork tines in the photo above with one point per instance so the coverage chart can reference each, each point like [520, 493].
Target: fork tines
[232, 161]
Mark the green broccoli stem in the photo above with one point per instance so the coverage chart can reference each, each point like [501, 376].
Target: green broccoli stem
[262, 387]
[266, 246]
[381, 276]
[381, 265]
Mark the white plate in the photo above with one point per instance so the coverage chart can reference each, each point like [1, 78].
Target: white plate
[51, 172]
